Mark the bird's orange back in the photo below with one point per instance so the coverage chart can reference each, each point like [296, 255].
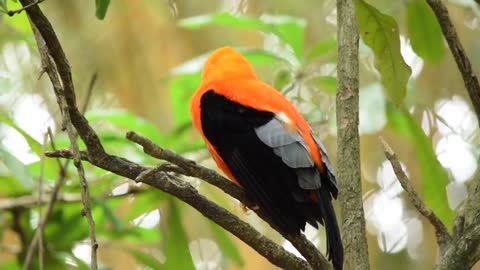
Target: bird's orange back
[228, 73]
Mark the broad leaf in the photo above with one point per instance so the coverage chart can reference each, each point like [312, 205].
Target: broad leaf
[380, 33]
[101, 8]
[434, 176]
[127, 121]
[146, 259]
[225, 243]
[289, 29]
[424, 31]
[323, 48]
[34, 145]
[181, 89]
[17, 169]
[254, 57]
[176, 250]
[18, 22]
[3, 5]
[327, 83]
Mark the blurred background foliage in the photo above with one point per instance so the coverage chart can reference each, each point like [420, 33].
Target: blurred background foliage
[148, 56]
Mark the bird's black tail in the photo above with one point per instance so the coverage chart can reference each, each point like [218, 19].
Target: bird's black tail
[334, 241]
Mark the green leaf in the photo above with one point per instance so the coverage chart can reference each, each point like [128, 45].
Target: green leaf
[3, 5]
[424, 31]
[11, 187]
[146, 259]
[10, 264]
[289, 29]
[380, 33]
[327, 83]
[434, 176]
[34, 145]
[254, 57]
[176, 250]
[20, 21]
[225, 243]
[141, 236]
[144, 203]
[101, 8]
[282, 78]
[104, 211]
[127, 121]
[322, 48]
[66, 227]
[17, 168]
[181, 89]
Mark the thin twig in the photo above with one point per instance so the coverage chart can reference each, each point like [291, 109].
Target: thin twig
[7, 204]
[39, 202]
[86, 211]
[443, 237]
[53, 198]
[463, 63]
[56, 73]
[93, 79]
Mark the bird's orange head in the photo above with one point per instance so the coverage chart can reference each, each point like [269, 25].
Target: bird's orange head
[226, 64]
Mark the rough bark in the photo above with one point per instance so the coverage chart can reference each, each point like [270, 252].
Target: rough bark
[348, 142]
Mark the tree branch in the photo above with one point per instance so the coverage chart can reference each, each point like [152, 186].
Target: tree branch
[463, 63]
[97, 156]
[52, 71]
[443, 237]
[348, 146]
[191, 168]
[28, 201]
[462, 253]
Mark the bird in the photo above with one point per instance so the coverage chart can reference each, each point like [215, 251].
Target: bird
[264, 145]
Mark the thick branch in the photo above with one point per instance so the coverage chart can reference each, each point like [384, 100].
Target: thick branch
[472, 203]
[305, 247]
[443, 237]
[185, 192]
[190, 168]
[348, 143]
[462, 253]
[463, 63]
[98, 156]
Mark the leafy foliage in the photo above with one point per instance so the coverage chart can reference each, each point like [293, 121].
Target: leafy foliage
[424, 31]
[434, 176]
[304, 69]
[380, 33]
[101, 8]
[289, 29]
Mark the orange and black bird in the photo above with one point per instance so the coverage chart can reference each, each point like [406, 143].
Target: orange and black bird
[262, 143]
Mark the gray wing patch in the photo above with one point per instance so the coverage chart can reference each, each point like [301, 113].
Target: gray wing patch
[295, 155]
[273, 134]
[293, 151]
[287, 145]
